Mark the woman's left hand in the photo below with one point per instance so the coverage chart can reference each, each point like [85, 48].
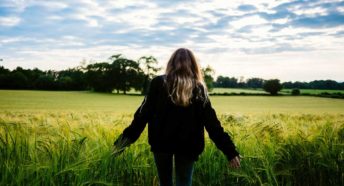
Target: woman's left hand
[235, 162]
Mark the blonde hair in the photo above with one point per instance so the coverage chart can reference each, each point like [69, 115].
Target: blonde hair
[183, 74]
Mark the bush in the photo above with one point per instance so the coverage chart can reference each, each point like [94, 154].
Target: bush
[272, 86]
[295, 92]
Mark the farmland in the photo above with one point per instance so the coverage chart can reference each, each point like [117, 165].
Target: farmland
[82, 101]
[58, 138]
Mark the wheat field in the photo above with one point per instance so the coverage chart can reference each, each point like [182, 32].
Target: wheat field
[47, 143]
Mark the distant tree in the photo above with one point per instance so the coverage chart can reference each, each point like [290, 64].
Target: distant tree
[300, 85]
[149, 67]
[98, 77]
[72, 79]
[254, 83]
[127, 73]
[325, 84]
[295, 92]
[66, 83]
[4, 78]
[316, 84]
[241, 82]
[46, 82]
[226, 82]
[4, 70]
[208, 74]
[17, 80]
[288, 84]
[272, 86]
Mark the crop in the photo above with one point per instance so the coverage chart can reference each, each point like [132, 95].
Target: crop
[75, 148]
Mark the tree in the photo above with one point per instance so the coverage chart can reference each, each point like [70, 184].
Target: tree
[295, 92]
[272, 86]
[125, 73]
[149, 67]
[241, 82]
[254, 83]
[45, 82]
[226, 82]
[17, 80]
[4, 77]
[72, 79]
[208, 74]
[98, 77]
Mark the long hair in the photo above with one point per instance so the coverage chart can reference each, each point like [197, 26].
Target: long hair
[183, 74]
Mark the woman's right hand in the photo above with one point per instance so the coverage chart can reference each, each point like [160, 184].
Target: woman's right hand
[235, 162]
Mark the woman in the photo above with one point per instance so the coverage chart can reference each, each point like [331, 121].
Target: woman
[177, 109]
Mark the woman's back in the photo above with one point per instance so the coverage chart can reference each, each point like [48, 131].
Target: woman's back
[175, 128]
[177, 109]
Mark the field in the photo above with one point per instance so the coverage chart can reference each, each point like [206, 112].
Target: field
[65, 138]
[261, 91]
[238, 90]
[313, 91]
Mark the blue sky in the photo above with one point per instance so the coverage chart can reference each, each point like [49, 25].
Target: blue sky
[290, 40]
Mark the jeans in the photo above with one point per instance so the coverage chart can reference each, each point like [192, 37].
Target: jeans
[183, 169]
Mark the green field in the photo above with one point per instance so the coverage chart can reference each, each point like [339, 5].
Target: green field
[42, 101]
[313, 91]
[238, 90]
[65, 138]
[261, 91]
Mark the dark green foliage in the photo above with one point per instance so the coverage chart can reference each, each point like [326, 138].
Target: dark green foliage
[255, 83]
[226, 82]
[71, 79]
[316, 84]
[45, 82]
[98, 77]
[149, 67]
[125, 74]
[295, 92]
[137, 75]
[272, 86]
[208, 74]
[331, 95]
[119, 73]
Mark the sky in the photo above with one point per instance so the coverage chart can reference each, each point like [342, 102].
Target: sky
[292, 40]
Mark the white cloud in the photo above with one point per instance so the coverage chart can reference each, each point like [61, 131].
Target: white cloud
[250, 20]
[51, 5]
[234, 42]
[9, 21]
[55, 18]
[311, 12]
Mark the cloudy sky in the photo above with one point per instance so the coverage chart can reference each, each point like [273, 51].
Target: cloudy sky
[290, 40]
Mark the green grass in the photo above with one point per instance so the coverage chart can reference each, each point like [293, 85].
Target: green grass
[42, 101]
[65, 138]
[75, 149]
[238, 90]
[261, 91]
[313, 91]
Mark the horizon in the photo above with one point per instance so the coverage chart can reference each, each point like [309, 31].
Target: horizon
[288, 40]
[215, 77]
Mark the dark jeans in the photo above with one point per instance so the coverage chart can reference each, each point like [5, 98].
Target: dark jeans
[183, 169]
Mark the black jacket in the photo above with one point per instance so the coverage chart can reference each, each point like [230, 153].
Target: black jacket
[177, 129]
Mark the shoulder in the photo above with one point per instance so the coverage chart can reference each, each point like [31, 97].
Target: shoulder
[161, 76]
[158, 79]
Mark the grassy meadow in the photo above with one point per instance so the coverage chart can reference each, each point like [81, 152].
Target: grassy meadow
[65, 138]
[284, 91]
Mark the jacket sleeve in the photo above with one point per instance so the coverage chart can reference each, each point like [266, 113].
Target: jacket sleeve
[216, 132]
[142, 114]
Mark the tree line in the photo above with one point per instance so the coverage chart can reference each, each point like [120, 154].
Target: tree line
[119, 73]
[232, 82]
